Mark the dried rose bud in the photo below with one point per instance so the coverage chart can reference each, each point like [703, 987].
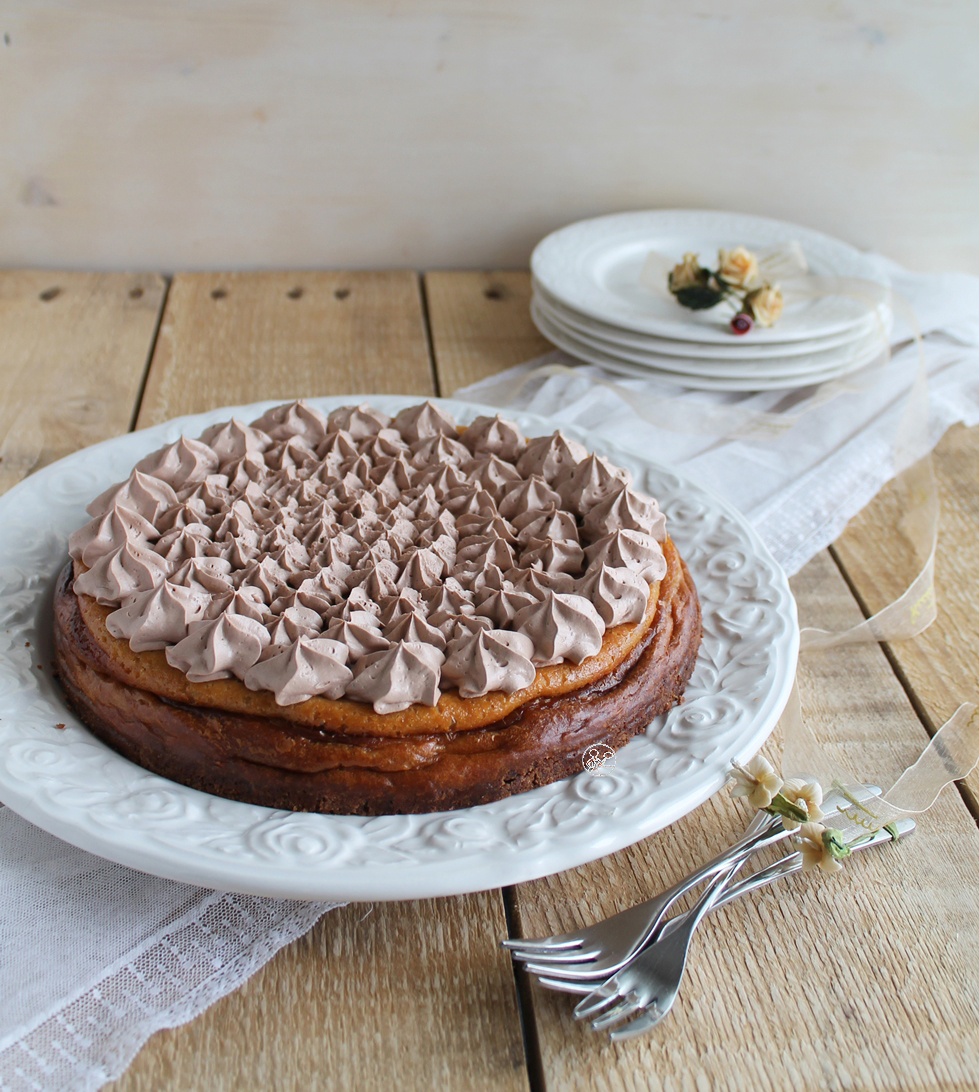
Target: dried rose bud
[741, 323]
[693, 286]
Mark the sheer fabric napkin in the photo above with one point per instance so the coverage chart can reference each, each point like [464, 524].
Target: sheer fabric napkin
[799, 487]
[95, 957]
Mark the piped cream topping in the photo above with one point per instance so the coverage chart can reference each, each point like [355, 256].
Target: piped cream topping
[180, 462]
[102, 536]
[402, 675]
[494, 436]
[625, 510]
[308, 667]
[631, 550]
[619, 595]
[158, 617]
[219, 648]
[377, 559]
[561, 627]
[129, 569]
[489, 660]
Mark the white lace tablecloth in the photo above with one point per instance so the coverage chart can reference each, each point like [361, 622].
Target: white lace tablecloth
[95, 957]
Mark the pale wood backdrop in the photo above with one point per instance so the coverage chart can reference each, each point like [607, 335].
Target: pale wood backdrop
[361, 134]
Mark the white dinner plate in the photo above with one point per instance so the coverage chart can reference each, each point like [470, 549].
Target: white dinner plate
[616, 363]
[794, 370]
[736, 349]
[57, 775]
[593, 267]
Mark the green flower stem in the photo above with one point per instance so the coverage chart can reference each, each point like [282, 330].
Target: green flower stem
[787, 809]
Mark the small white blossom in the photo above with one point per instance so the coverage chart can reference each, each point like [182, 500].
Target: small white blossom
[807, 795]
[815, 848]
[758, 781]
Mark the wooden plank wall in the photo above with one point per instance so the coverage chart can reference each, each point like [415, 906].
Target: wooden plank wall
[453, 134]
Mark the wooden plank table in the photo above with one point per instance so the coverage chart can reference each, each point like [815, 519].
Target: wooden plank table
[868, 980]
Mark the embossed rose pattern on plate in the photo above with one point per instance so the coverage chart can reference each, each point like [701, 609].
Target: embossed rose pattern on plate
[73, 786]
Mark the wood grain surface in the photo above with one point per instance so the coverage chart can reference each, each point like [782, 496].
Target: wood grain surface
[941, 667]
[402, 995]
[868, 980]
[829, 982]
[480, 324]
[823, 982]
[74, 352]
[230, 338]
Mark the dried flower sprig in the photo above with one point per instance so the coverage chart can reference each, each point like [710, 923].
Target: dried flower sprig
[798, 803]
[736, 278]
[807, 795]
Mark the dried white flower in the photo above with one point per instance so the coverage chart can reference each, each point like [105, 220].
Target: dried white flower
[758, 781]
[820, 847]
[807, 795]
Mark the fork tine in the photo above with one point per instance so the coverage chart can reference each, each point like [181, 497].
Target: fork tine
[648, 1018]
[571, 968]
[607, 994]
[566, 985]
[628, 1006]
[544, 944]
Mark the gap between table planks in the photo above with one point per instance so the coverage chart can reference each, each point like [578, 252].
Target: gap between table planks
[404, 995]
[865, 980]
[232, 338]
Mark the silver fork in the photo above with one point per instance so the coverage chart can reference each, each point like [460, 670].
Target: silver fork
[599, 950]
[651, 981]
[602, 948]
[647, 987]
[784, 866]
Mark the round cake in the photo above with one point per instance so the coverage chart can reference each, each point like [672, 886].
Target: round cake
[364, 615]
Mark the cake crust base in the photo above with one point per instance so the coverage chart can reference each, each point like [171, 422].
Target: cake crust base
[278, 762]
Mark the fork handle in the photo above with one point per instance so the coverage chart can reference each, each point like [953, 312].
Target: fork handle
[769, 832]
[792, 862]
[763, 830]
[760, 833]
[789, 864]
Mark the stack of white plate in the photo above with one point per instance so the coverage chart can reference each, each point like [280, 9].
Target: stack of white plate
[588, 300]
